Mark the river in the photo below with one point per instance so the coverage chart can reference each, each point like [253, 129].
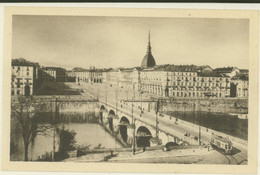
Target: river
[91, 134]
[221, 122]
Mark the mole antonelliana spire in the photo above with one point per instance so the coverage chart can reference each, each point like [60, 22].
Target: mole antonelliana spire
[148, 60]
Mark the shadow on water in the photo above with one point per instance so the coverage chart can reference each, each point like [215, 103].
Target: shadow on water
[56, 88]
[221, 122]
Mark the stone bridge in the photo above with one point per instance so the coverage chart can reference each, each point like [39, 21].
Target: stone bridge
[125, 126]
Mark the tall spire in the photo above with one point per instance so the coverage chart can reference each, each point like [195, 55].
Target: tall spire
[149, 48]
[148, 60]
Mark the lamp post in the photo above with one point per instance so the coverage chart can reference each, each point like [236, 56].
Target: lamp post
[54, 128]
[141, 102]
[116, 99]
[167, 86]
[133, 122]
[157, 122]
[106, 95]
[199, 128]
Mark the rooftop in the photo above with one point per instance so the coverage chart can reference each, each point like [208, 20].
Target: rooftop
[210, 74]
[225, 69]
[53, 68]
[177, 68]
[243, 77]
[23, 62]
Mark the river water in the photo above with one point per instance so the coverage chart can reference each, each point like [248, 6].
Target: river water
[91, 134]
[225, 123]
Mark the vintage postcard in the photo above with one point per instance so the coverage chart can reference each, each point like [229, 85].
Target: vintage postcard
[130, 90]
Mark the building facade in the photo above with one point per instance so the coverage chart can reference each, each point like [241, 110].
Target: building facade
[239, 86]
[53, 74]
[25, 75]
[189, 83]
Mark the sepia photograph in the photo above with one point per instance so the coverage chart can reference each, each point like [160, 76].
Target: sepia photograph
[131, 87]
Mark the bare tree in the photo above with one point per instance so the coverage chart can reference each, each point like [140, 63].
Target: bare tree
[25, 110]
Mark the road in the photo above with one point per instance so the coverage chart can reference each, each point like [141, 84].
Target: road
[116, 96]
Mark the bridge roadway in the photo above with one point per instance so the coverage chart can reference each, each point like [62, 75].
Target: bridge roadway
[108, 95]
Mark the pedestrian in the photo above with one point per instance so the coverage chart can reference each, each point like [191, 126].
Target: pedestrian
[144, 149]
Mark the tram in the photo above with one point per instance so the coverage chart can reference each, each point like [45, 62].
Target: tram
[221, 143]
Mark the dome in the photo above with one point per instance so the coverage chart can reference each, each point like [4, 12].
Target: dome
[148, 60]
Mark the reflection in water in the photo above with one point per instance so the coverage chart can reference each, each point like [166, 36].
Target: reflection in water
[228, 124]
[87, 134]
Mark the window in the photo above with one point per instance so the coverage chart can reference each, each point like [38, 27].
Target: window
[27, 73]
[18, 92]
[12, 92]
[18, 68]
[27, 68]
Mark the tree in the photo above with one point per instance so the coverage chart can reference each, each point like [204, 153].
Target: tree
[25, 109]
[67, 140]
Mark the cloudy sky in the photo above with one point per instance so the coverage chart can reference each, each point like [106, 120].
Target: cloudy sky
[122, 41]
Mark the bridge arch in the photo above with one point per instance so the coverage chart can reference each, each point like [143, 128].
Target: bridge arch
[111, 114]
[101, 112]
[143, 136]
[123, 128]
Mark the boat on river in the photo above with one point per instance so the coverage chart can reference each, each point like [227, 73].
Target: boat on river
[242, 116]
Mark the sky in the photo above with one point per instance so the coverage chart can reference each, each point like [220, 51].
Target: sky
[110, 42]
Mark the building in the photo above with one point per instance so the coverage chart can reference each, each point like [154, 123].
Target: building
[183, 81]
[91, 75]
[244, 71]
[81, 74]
[112, 77]
[126, 78]
[25, 75]
[53, 74]
[70, 76]
[227, 71]
[96, 75]
[239, 86]
[148, 60]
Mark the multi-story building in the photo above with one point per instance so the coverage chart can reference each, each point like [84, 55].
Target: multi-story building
[91, 75]
[96, 75]
[239, 86]
[183, 81]
[136, 79]
[81, 74]
[126, 78]
[70, 76]
[113, 77]
[53, 74]
[24, 77]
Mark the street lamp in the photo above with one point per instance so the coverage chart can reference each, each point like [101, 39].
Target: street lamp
[133, 122]
[141, 102]
[106, 94]
[157, 122]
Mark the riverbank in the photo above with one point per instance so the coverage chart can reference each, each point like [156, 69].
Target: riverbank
[196, 155]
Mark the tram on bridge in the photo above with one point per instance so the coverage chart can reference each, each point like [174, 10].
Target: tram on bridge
[221, 143]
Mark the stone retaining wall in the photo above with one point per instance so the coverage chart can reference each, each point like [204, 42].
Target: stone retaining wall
[223, 105]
